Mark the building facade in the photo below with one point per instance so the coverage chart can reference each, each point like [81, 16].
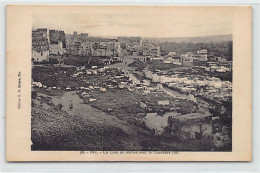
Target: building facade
[57, 36]
[202, 55]
[40, 45]
[187, 59]
[56, 49]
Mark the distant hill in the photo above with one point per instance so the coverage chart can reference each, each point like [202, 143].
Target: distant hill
[221, 48]
[204, 39]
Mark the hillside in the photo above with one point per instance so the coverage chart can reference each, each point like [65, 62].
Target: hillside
[223, 49]
[203, 39]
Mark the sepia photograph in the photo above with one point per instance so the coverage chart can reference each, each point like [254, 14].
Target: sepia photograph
[129, 83]
[105, 84]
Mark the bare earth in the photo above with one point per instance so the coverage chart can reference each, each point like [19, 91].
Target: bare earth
[88, 112]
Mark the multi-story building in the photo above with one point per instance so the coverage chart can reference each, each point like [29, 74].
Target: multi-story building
[40, 45]
[94, 46]
[62, 38]
[57, 36]
[187, 58]
[83, 37]
[56, 49]
[134, 51]
[202, 51]
[84, 49]
[43, 31]
[106, 47]
[155, 51]
[73, 48]
[150, 50]
[54, 36]
[172, 54]
[203, 55]
[197, 57]
[75, 36]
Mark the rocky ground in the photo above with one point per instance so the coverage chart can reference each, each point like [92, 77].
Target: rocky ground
[91, 129]
[113, 121]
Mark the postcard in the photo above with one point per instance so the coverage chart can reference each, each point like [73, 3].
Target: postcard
[128, 83]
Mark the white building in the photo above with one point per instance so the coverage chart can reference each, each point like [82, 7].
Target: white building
[187, 59]
[203, 54]
[172, 54]
[202, 51]
[40, 56]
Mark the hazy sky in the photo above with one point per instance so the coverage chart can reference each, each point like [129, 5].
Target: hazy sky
[179, 23]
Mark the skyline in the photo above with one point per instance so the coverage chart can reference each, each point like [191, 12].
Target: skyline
[195, 23]
[114, 37]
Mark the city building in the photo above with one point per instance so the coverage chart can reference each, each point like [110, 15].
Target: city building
[62, 38]
[44, 32]
[172, 54]
[83, 37]
[220, 59]
[54, 36]
[187, 59]
[150, 50]
[57, 36]
[85, 49]
[56, 49]
[188, 56]
[203, 54]
[202, 58]
[40, 56]
[73, 48]
[144, 58]
[134, 51]
[106, 47]
[190, 126]
[83, 45]
[40, 45]
[75, 36]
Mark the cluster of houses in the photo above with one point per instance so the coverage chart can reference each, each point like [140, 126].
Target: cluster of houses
[53, 43]
[221, 66]
[209, 87]
[47, 42]
[187, 59]
[209, 62]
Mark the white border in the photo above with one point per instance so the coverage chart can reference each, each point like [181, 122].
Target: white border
[253, 166]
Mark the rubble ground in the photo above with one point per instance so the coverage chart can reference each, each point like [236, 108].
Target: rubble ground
[109, 114]
[125, 104]
[54, 129]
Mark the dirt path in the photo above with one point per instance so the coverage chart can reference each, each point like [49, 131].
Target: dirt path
[86, 111]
